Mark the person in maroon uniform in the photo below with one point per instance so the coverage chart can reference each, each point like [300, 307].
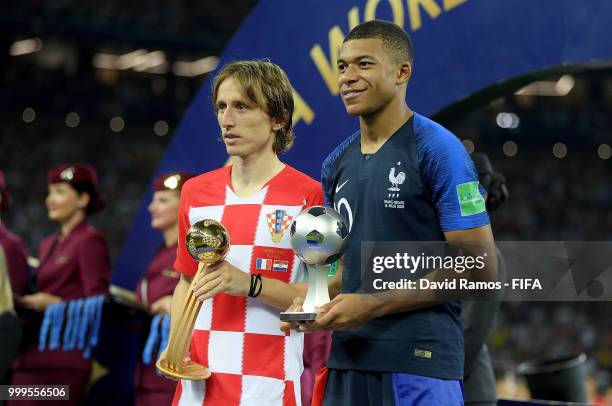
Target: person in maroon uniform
[74, 263]
[14, 249]
[155, 289]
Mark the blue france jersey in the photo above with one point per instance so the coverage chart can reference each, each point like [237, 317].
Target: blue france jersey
[418, 185]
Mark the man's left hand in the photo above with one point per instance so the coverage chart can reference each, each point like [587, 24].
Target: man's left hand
[344, 312]
[222, 277]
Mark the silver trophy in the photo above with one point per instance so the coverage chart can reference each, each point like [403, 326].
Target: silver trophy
[318, 236]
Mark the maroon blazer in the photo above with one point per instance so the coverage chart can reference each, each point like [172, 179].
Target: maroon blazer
[74, 267]
[16, 259]
[160, 278]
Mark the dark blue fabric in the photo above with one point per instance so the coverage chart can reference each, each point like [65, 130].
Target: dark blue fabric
[444, 164]
[328, 169]
[358, 388]
[415, 390]
[396, 194]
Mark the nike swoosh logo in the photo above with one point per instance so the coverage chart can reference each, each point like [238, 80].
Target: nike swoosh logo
[338, 187]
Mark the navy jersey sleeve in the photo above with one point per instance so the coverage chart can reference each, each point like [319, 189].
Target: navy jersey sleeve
[449, 172]
[326, 181]
[328, 168]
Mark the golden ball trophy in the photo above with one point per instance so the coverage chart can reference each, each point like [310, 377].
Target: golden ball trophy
[207, 242]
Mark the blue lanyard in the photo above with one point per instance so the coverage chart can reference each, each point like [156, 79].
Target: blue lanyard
[99, 302]
[56, 326]
[79, 321]
[69, 324]
[152, 339]
[95, 322]
[44, 328]
[165, 334]
[87, 312]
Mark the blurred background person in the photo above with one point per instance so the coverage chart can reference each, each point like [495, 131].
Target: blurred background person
[155, 288]
[15, 251]
[74, 263]
[13, 279]
[9, 324]
[479, 316]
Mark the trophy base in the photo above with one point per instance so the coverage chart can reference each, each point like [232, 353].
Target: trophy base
[190, 371]
[298, 316]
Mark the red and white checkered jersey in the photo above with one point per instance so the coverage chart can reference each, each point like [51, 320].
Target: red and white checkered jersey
[238, 338]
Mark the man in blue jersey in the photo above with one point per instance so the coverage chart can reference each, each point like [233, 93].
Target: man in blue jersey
[401, 177]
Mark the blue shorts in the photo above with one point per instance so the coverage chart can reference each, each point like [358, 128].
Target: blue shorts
[360, 388]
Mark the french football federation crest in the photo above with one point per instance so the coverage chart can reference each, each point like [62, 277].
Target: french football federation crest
[396, 180]
[278, 222]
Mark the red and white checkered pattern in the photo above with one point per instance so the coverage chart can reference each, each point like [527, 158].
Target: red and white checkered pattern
[284, 225]
[238, 338]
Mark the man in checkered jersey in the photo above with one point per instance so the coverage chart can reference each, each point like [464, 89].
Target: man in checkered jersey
[236, 333]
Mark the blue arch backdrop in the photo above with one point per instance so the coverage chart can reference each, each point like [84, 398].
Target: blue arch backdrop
[461, 47]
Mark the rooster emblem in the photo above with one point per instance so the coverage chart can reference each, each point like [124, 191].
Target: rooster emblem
[396, 180]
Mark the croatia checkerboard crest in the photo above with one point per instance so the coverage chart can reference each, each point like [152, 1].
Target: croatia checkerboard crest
[278, 222]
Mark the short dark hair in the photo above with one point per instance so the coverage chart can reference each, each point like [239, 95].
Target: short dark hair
[85, 187]
[393, 37]
[266, 85]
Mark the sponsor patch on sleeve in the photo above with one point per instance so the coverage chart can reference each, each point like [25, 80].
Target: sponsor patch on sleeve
[470, 200]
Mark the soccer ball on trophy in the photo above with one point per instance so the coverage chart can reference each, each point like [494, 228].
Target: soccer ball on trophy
[318, 236]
